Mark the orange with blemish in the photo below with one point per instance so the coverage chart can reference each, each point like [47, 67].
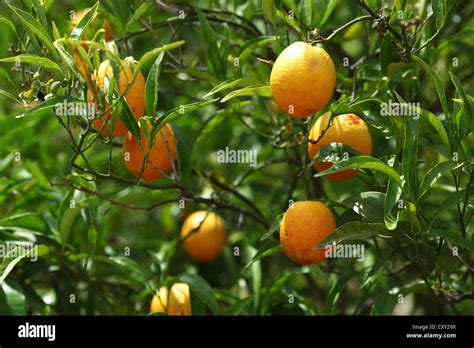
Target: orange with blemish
[347, 129]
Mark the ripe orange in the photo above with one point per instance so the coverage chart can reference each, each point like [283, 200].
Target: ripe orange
[159, 302]
[304, 225]
[161, 158]
[303, 79]
[135, 95]
[179, 302]
[174, 302]
[207, 235]
[348, 129]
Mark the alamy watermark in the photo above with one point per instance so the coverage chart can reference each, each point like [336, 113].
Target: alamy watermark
[400, 109]
[237, 156]
[75, 109]
[345, 251]
[18, 249]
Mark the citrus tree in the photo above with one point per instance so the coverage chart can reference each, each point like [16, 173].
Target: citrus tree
[236, 158]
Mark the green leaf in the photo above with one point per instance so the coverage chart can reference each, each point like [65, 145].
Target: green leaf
[437, 82]
[291, 21]
[12, 300]
[217, 62]
[10, 266]
[196, 73]
[269, 10]
[466, 104]
[255, 274]
[410, 149]
[207, 131]
[151, 86]
[384, 303]
[447, 203]
[265, 251]
[38, 175]
[206, 27]
[130, 266]
[25, 221]
[369, 205]
[335, 291]
[64, 205]
[164, 255]
[273, 228]
[176, 112]
[77, 32]
[40, 13]
[67, 58]
[440, 11]
[203, 290]
[185, 147]
[9, 24]
[10, 96]
[251, 45]
[360, 101]
[327, 13]
[453, 237]
[68, 214]
[143, 9]
[199, 148]
[434, 174]
[32, 59]
[410, 153]
[438, 126]
[363, 162]
[56, 33]
[32, 24]
[242, 82]
[150, 56]
[385, 49]
[128, 119]
[394, 192]
[263, 91]
[345, 106]
[238, 306]
[335, 152]
[460, 89]
[22, 253]
[354, 230]
[306, 10]
[4, 74]
[50, 103]
[277, 282]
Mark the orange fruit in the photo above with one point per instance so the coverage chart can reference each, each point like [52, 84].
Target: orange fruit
[80, 64]
[159, 302]
[347, 129]
[108, 31]
[177, 301]
[302, 80]
[135, 95]
[304, 225]
[206, 238]
[160, 159]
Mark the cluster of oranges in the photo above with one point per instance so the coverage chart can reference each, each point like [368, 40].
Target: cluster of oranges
[175, 301]
[302, 81]
[162, 153]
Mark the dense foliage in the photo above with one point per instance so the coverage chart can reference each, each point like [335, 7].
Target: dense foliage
[107, 242]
